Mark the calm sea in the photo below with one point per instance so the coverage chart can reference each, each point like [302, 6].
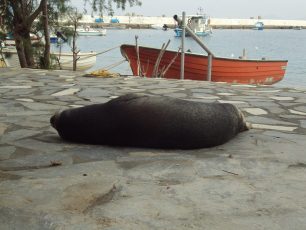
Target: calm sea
[271, 44]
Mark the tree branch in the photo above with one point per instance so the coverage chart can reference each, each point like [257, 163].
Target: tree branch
[33, 16]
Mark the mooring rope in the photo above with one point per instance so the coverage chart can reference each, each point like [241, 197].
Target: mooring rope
[111, 66]
[90, 55]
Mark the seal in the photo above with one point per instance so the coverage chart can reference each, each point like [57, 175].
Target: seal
[151, 121]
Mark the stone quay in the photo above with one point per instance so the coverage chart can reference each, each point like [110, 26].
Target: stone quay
[255, 181]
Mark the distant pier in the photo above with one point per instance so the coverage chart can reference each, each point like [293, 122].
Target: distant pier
[144, 22]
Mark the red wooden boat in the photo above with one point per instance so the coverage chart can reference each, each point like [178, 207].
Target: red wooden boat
[242, 71]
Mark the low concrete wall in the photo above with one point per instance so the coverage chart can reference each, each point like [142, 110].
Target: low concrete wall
[131, 19]
[269, 23]
[144, 22]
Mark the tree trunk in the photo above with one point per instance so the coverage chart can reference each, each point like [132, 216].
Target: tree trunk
[28, 49]
[20, 51]
[46, 63]
[74, 51]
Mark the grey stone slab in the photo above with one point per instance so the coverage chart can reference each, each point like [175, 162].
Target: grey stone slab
[232, 102]
[65, 92]
[18, 134]
[200, 91]
[99, 99]
[301, 100]
[58, 103]
[163, 91]
[26, 113]
[300, 109]
[282, 98]
[294, 138]
[276, 109]
[35, 161]
[176, 95]
[201, 100]
[6, 152]
[93, 92]
[40, 106]
[84, 153]
[15, 87]
[261, 104]
[4, 91]
[268, 121]
[255, 111]
[289, 104]
[3, 128]
[303, 124]
[25, 99]
[34, 124]
[54, 144]
[291, 116]
[297, 112]
[205, 96]
[42, 97]
[274, 127]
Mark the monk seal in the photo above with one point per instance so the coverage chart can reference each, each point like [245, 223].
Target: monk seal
[152, 122]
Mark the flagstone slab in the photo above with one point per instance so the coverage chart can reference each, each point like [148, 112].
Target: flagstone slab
[274, 127]
[15, 87]
[93, 92]
[65, 92]
[297, 112]
[18, 134]
[25, 99]
[268, 121]
[6, 152]
[225, 94]
[283, 98]
[232, 102]
[300, 109]
[255, 111]
[3, 128]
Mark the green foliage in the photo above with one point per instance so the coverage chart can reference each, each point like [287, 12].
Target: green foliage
[107, 5]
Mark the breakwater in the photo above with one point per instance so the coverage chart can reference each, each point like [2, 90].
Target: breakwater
[225, 23]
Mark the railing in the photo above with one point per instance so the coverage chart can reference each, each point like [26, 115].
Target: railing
[198, 40]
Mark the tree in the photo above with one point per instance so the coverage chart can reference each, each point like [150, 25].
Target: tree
[74, 18]
[51, 11]
[19, 17]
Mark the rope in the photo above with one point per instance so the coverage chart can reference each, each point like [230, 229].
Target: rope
[114, 65]
[89, 56]
[102, 52]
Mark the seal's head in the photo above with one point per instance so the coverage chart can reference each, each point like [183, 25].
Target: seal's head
[54, 120]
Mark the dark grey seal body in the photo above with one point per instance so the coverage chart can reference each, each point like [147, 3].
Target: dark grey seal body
[151, 121]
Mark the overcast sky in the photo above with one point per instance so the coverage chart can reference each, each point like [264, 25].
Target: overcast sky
[269, 9]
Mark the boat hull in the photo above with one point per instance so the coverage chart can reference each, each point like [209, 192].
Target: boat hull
[179, 32]
[223, 69]
[84, 32]
[85, 61]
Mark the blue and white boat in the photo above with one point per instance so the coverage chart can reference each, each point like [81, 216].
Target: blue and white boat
[87, 31]
[258, 26]
[199, 24]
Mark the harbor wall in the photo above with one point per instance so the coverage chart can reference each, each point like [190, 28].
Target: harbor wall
[146, 22]
[247, 23]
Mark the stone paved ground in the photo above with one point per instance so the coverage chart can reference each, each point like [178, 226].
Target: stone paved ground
[255, 181]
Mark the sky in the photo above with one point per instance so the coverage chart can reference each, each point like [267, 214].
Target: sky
[268, 9]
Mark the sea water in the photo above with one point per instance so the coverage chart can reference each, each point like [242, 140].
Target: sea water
[270, 44]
